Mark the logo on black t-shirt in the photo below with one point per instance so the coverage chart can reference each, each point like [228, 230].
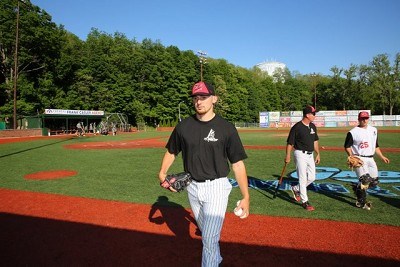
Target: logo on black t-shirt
[211, 136]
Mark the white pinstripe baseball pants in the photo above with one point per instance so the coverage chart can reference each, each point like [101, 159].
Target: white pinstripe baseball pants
[209, 201]
[305, 168]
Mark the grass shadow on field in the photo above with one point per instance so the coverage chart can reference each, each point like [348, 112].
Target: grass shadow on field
[269, 190]
[266, 191]
[351, 198]
[392, 201]
[345, 198]
[36, 147]
[284, 192]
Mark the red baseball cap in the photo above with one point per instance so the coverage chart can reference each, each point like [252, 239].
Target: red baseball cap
[309, 109]
[363, 115]
[202, 88]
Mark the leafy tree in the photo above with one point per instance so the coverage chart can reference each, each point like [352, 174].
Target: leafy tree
[270, 94]
[395, 75]
[324, 98]
[338, 88]
[39, 43]
[294, 93]
[150, 83]
[380, 77]
[350, 96]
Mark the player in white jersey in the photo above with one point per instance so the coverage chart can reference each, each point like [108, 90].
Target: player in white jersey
[362, 141]
[208, 142]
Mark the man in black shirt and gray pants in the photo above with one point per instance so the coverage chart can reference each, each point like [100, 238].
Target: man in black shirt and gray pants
[303, 138]
[210, 147]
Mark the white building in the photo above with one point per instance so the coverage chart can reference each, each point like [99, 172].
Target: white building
[270, 67]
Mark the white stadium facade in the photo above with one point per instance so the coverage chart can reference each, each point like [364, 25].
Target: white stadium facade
[271, 66]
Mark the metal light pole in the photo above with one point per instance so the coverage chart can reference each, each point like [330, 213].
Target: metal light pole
[315, 97]
[203, 60]
[179, 110]
[314, 83]
[16, 69]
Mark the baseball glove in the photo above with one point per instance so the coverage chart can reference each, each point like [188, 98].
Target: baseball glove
[354, 162]
[177, 181]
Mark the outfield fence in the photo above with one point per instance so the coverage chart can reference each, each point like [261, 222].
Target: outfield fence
[324, 118]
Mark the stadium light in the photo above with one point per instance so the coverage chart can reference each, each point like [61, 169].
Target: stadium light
[314, 83]
[16, 69]
[315, 97]
[179, 110]
[203, 60]
[16, 63]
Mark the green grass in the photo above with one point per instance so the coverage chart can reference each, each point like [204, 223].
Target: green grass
[131, 174]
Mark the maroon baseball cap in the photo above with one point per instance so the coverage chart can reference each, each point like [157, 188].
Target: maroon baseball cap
[363, 115]
[202, 88]
[309, 109]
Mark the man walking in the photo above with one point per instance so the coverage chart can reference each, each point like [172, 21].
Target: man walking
[303, 138]
[362, 141]
[208, 144]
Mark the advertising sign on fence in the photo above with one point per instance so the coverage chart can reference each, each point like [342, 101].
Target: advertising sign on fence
[73, 112]
[274, 116]
[325, 118]
[264, 120]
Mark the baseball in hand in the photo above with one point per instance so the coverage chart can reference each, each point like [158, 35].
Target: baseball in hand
[238, 212]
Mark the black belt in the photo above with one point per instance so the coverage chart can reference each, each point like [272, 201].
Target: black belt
[202, 181]
[307, 152]
[371, 156]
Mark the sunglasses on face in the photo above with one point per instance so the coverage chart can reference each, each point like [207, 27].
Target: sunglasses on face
[200, 97]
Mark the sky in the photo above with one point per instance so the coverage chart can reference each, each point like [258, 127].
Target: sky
[309, 36]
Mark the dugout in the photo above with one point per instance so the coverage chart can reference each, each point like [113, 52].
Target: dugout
[65, 121]
[60, 121]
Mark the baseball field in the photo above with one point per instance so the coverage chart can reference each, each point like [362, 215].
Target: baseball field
[96, 201]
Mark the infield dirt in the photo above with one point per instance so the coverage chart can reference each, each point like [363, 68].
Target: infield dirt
[41, 229]
[53, 230]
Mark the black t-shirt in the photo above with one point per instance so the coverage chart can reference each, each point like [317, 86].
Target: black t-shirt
[302, 137]
[206, 146]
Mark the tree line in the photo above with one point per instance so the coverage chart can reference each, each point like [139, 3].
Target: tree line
[150, 82]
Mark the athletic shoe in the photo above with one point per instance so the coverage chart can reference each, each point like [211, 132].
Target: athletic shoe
[296, 194]
[367, 206]
[307, 206]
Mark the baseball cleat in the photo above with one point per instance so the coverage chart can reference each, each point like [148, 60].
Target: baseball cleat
[296, 194]
[367, 206]
[307, 206]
